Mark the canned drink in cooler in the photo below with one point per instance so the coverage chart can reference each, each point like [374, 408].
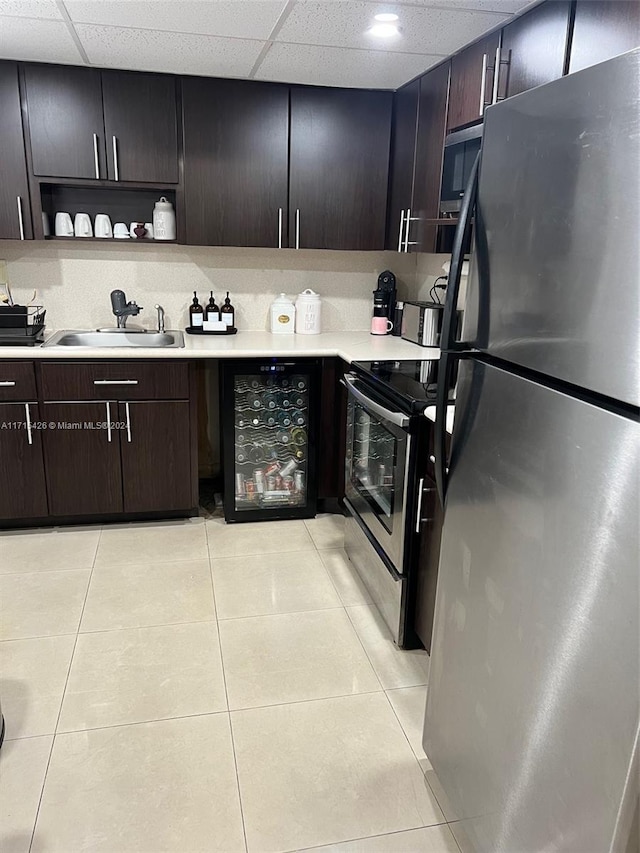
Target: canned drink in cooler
[271, 483]
[272, 469]
[288, 484]
[288, 468]
[250, 487]
[279, 482]
[241, 490]
[259, 477]
[298, 481]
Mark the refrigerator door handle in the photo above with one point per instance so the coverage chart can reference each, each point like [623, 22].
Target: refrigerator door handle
[447, 336]
[447, 363]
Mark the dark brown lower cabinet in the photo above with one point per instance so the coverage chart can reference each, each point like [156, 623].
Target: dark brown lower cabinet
[156, 455]
[429, 556]
[82, 458]
[22, 486]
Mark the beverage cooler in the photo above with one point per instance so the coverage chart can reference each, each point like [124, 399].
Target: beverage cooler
[269, 423]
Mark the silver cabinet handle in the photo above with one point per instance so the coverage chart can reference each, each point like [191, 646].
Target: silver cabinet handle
[108, 405]
[116, 171]
[7, 383]
[483, 83]
[20, 218]
[407, 220]
[279, 227]
[297, 228]
[128, 414]
[28, 414]
[115, 381]
[96, 161]
[396, 418]
[401, 230]
[419, 508]
[496, 77]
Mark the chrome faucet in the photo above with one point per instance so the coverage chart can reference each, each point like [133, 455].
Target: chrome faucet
[123, 309]
[160, 311]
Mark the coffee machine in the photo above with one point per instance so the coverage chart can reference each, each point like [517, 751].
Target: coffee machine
[384, 300]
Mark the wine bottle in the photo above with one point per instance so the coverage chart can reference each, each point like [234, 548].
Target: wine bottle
[228, 312]
[213, 312]
[196, 312]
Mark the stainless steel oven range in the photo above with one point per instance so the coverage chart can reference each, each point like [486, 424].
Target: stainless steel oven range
[386, 448]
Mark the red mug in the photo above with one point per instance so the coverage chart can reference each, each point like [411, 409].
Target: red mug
[380, 326]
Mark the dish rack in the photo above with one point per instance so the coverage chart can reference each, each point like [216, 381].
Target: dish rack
[21, 325]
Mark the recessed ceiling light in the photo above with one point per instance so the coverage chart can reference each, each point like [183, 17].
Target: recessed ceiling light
[386, 17]
[384, 30]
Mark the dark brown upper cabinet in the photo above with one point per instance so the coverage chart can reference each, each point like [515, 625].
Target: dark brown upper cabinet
[534, 48]
[236, 162]
[15, 209]
[403, 150]
[472, 86]
[339, 165]
[141, 128]
[432, 121]
[133, 137]
[66, 125]
[603, 29]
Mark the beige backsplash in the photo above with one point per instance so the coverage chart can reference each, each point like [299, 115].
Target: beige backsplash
[74, 281]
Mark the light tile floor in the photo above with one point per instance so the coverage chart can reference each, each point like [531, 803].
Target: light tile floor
[195, 686]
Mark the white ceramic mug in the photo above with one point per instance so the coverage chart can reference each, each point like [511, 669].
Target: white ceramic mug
[120, 231]
[82, 225]
[103, 226]
[63, 225]
[149, 227]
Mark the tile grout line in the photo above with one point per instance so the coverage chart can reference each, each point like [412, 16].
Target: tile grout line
[364, 838]
[64, 690]
[226, 694]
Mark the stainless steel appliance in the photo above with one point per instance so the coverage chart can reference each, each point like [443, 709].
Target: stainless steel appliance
[533, 704]
[386, 446]
[460, 151]
[421, 323]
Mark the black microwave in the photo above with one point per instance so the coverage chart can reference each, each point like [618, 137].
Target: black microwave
[460, 151]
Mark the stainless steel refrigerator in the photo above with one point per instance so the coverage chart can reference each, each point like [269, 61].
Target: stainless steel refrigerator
[533, 700]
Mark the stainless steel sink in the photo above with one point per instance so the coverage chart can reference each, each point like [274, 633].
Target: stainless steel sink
[115, 338]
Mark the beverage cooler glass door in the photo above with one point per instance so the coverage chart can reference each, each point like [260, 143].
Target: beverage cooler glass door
[269, 440]
[375, 473]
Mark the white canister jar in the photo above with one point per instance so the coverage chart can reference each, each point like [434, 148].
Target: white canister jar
[308, 313]
[283, 315]
[164, 220]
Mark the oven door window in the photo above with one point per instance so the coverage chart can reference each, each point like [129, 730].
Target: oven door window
[373, 464]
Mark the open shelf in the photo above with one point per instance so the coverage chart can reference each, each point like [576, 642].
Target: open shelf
[125, 240]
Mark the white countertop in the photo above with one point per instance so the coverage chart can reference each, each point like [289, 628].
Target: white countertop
[350, 346]
[430, 413]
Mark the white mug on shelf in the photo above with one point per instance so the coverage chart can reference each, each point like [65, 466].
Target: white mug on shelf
[149, 227]
[63, 225]
[103, 226]
[82, 225]
[120, 231]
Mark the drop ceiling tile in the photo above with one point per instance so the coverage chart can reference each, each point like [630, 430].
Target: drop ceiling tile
[426, 30]
[174, 53]
[334, 66]
[249, 19]
[505, 7]
[37, 41]
[30, 9]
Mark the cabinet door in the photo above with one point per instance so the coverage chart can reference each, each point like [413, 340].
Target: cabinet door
[236, 161]
[434, 90]
[339, 168]
[22, 486]
[534, 48]
[15, 209]
[141, 128]
[82, 458]
[603, 29]
[468, 95]
[65, 121]
[403, 149]
[156, 455]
